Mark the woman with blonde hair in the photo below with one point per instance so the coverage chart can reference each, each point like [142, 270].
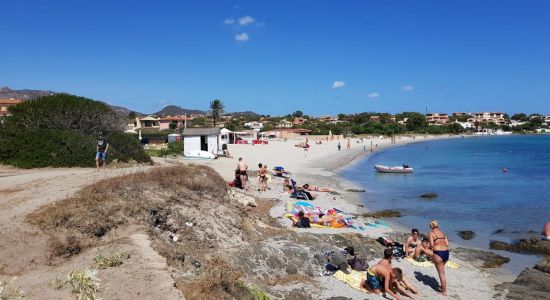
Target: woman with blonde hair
[440, 246]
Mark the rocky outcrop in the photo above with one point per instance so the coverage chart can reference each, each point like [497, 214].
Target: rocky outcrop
[479, 258]
[387, 213]
[243, 199]
[533, 245]
[428, 196]
[466, 234]
[532, 283]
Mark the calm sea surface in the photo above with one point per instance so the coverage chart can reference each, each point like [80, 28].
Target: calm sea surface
[474, 192]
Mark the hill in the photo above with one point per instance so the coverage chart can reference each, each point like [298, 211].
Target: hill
[173, 110]
[25, 94]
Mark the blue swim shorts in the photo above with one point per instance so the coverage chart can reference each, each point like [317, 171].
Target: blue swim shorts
[101, 155]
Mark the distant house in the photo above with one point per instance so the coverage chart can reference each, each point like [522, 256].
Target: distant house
[149, 122]
[287, 133]
[547, 120]
[404, 121]
[488, 117]
[254, 125]
[374, 119]
[514, 123]
[437, 119]
[202, 139]
[465, 125]
[284, 124]
[5, 103]
[178, 121]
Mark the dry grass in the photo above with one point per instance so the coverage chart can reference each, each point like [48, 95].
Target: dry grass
[102, 261]
[8, 291]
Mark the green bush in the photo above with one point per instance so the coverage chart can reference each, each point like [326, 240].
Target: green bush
[47, 148]
[125, 147]
[173, 148]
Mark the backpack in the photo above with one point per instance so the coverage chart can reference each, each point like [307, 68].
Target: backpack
[358, 264]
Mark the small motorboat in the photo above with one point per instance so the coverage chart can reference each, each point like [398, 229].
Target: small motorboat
[198, 155]
[387, 169]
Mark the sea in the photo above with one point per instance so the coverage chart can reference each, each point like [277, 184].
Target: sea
[496, 186]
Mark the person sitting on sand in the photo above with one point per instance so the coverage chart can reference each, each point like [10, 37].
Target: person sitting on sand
[379, 278]
[303, 221]
[440, 248]
[287, 187]
[545, 234]
[423, 252]
[412, 242]
[314, 188]
[329, 220]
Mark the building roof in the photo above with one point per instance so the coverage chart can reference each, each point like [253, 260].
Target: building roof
[201, 131]
[149, 118]
[175, 119]
[10, 101]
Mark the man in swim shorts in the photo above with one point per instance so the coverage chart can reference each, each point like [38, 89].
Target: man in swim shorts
[379, 278]
[242, 167]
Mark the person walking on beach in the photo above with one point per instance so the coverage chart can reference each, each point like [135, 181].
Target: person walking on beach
[440, 245]
[242, 167]
[101, 151]
[339, 146]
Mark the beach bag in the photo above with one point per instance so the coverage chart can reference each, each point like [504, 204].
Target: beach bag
[385, 242]
[358, 264]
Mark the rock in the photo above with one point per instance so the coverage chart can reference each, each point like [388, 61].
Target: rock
[291, 269]
[355, 191]
[498, 231]
[387, 213]
[243, 199]
[543, 265]
[466, 234]
[532, 283]
[428, 196]
[495, 262]
[480, 258]
[532, 245]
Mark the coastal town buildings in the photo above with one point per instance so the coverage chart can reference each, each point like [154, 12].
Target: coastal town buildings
[5, 104]
[374, 119]
[254, 125]
[437, 118]
[287, 133]
[496, 118]
[298, 121]
[284, 124]
[176, 121]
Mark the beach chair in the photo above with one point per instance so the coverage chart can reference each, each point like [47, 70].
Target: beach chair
[297, 193]
[280, 172]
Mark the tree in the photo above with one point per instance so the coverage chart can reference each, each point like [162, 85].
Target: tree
[216, 110]
[298, 114]
[520, 117]
[415, 121]
[132, 115]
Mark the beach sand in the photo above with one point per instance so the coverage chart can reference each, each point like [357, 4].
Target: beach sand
[318, 165]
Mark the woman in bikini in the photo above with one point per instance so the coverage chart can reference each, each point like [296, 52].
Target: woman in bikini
[440, 246]
[262, 178]
[314, 188]
[412, 242]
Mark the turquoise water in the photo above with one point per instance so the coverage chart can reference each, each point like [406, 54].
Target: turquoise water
[474, 192]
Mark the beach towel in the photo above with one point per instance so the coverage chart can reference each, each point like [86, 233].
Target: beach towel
[426, 264]
[353, 279]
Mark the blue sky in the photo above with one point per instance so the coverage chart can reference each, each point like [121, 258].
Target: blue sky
[275, 57]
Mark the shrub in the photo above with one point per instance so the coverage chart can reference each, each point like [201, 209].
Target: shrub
[173, 148]
[64, 112]
[125, 147]
[46, 147]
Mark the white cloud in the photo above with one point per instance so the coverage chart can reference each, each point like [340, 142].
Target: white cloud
[243, 21]
[243, 37]
[338, 84]
[229, 21]
[407, 88]
[373, 95]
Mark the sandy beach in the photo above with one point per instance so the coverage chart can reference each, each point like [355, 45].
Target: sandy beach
[25, 191]
[318, 165]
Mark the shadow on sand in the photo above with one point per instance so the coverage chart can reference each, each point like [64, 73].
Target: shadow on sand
[427, 280]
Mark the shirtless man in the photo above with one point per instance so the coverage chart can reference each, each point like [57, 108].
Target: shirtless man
[545, 234]
[402, 285]
[242, 167]
[379, 278]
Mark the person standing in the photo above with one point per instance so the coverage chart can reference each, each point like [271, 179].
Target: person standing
[339, 146]
[349, 144]
[440, 246]
[242, 167]
[101, 151]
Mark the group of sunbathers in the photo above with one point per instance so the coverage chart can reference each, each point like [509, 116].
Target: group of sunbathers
[306, 188]
[434, 248]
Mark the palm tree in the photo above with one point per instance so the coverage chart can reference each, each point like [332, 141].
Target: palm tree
[216, 109]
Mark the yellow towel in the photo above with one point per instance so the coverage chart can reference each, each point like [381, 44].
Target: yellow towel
[353, 279]
[427, 264]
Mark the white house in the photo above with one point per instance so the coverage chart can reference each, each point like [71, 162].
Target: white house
[201, 139]
[465, 125]
[254, 125]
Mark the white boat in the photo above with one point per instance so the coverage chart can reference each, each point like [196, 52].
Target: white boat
[387, 169]
[198, 155]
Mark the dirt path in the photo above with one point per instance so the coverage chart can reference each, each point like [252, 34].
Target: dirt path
[23, 251]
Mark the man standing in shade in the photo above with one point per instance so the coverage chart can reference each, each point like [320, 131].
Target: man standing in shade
[101, 151]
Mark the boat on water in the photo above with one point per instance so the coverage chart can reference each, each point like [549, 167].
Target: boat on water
[397, 169]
